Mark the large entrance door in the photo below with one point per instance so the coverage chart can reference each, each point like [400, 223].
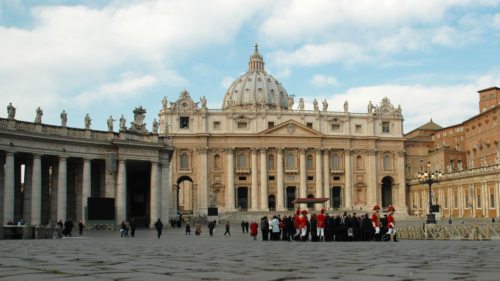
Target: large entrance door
[290, 196]
[242, 198]
[185, 195]
[138, 183]
[386, 192]
[336, 197]
[271, 201]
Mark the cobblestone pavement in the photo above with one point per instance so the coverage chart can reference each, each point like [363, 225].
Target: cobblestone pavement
[106, 256]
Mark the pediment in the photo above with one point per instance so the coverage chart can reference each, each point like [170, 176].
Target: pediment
[291, 128]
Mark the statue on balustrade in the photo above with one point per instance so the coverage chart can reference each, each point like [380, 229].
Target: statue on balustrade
[64, 118]
[11, 111]
[88, 121]
[123, 123]
[39, 113]
[315, 105]
[301, 104]
[346, 106]
[110, 123]
[325, 105]
[155, 126]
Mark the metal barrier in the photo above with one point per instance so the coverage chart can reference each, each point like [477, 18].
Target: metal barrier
[451, 232]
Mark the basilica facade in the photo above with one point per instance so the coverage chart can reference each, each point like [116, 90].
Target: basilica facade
[262, 149]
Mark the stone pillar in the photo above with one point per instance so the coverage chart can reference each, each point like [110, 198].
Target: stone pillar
[86, 187]
[497, 195]
[173, 190]
[62, 189]
[36, 191]
[348, 178]
[303, 177]
[155, 194]
[203, 182]
[166, 191]
[8, 192]
[372, 180]
[110, 175]
[121, 192]
[401, 203]
[461, 203]
[319, 179]
[264, 206]
[326, 177]
[255, 181]
[230, 180]
[280, 197]
[485, 199]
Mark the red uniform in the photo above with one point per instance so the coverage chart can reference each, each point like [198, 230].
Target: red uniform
[390, 221]
[254, 227]
[321, 220]
[376, 220]
[303, 222]
[296, 221]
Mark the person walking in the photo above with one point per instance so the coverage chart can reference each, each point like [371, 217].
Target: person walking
[275, 226]
[376, 222]
[211, 226]
[80, 228]
[159, 227]
[133, 226]
[254, 229]
[391, 224]
[228, 229]
[188, 229]
[321, 222]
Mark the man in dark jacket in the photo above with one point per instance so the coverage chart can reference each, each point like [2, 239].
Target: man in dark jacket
[159, 227]
[264, 227]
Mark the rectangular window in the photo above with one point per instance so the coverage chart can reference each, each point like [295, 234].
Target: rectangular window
[270, 125]
[242, 178]
[358, 129]
[216, 124]
[184, 123]
[336, 178]
[492, 201]
[478, 201]
[309, 125]
[386, 127]
[242, 125]
[271, 178]
[310, 178]
[335, 127]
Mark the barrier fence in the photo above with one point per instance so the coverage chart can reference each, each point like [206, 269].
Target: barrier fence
[451, 232]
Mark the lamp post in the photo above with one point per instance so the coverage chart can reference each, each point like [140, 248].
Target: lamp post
[429, 178]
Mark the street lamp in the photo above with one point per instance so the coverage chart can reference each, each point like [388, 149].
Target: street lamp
[429, 178]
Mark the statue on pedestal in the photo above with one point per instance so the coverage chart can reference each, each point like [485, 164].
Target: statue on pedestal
[123, 123]
[164, 102]
[203, 101]
[88, 121]
[39, 113]
[155, 126]
[11, 111]
[325, 105]
[110, 123]
[301, 104]
[346, 106]
[64, 118]
[315, 105]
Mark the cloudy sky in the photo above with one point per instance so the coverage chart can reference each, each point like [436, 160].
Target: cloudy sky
[107, 57]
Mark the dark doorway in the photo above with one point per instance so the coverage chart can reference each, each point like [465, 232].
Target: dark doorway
[138, 183]
[271, 201]
[386, 192]
[336, 197]
[290, 196]
[242, 198]
[310, 205]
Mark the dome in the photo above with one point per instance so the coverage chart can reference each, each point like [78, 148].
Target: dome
[256, 89]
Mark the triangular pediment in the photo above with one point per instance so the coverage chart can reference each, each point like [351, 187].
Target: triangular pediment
[291, 128]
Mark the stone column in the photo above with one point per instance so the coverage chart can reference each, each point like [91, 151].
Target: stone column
[36, 191]
[62, 189]
[230, 180]
[255, 181]
[319, 179]
[303, 176]
[121, 192]
[348, 178]
[497, 195]
[280, 198]
[203, 182]
[401, 204]
[326, 177]
[484, 197]
[155, 195]
[165, 191]
[86, 186]
[461, 203]
[372, 180]
[8, 192]
[264, 206]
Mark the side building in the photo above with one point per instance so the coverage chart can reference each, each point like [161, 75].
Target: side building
[49, 172]
[261, 150]
[468, 156]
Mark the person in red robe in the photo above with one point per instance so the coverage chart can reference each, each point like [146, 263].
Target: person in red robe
[303, 225]
[376, 221]
[254, 229]
[321, 221]
[391, 224]
[296, 223]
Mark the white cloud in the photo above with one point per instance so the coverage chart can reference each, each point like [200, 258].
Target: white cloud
[324, 80]
[496, 21]
[116, 92]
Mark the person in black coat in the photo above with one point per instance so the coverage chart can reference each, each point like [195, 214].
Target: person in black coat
[133, 226]
[264, 228]
[159, 227]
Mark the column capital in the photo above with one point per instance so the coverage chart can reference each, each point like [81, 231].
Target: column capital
[302, 150]
[263, 149]
[254, 149]
[229, 149]
[202, 149]
[37, 156]
[280, 149]
[318, 150]
[348, 151]
[63, 158]
[9, 153]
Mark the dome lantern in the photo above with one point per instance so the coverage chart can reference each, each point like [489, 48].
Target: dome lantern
[256, 62]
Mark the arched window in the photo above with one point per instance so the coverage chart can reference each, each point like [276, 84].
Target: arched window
[309, 162]
[387, 163]
[184, 161]
[270, 162]
[242, 161]
[290, 161]
[359, 162]
[217, 162]
[335, 162]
